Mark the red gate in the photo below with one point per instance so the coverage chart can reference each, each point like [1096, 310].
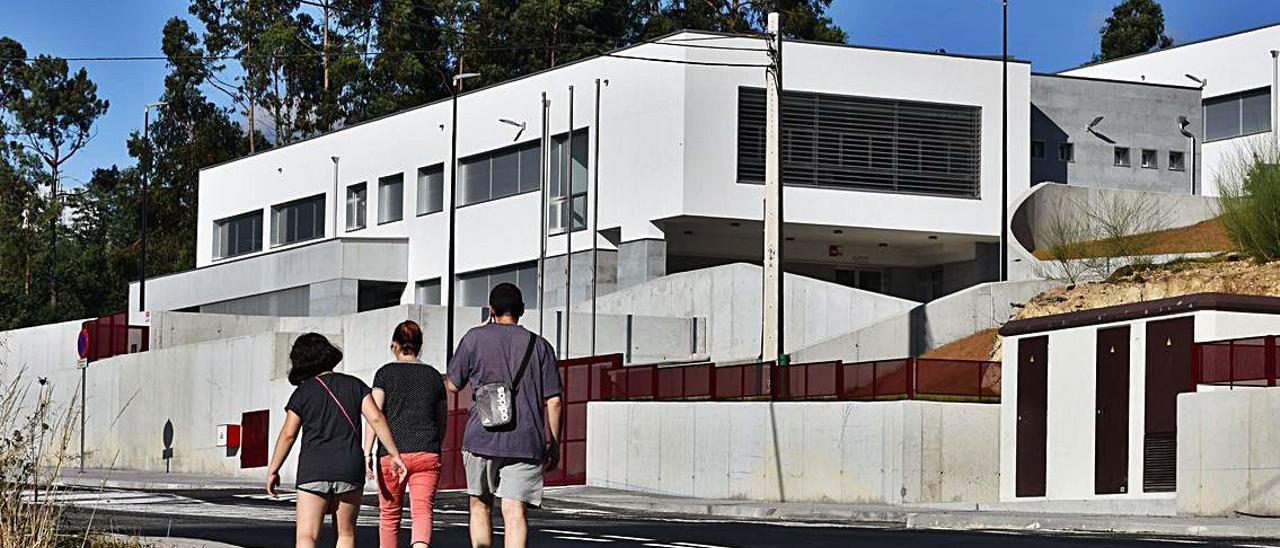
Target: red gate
[583, 381]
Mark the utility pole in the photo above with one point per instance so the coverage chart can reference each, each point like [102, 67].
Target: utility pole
[544, 160]
[566, 169]
[595, 214]
[772, 345]
[450, 278]
[1004, 143]
[1275, 101]
[142, 218]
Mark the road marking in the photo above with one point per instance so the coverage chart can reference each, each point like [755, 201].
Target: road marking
[559, 532]
[627, 539]
[660, 545]
[582, 539]
[696, 545]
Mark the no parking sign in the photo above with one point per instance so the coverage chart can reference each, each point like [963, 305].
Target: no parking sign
[82, 346]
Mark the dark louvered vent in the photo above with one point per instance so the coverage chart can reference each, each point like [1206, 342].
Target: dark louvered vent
[1159, 462]
[864, 143]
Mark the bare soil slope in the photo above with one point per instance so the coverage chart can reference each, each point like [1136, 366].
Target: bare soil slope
[1183, 278]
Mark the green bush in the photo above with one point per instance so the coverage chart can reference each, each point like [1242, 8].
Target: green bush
[1249, 202]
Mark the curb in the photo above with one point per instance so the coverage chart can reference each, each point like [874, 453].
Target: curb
[92, 483]
[1117, 525]
[1217, 528]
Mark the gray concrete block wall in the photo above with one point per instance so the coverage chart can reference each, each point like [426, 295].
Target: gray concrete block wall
[1134, 115]
[641, 261]
[294, 301]
[607, 272]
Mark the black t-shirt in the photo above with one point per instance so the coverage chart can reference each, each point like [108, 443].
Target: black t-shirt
[415, 404]
[330, 438]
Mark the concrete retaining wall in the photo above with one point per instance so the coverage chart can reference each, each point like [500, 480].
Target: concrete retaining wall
[929, 325]
[846, 452]
[730, 295]
[1229, 452]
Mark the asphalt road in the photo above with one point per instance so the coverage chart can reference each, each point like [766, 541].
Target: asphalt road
[250, 519]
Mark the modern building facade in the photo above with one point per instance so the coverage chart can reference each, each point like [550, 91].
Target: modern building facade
[1236, 75]
[892, 164]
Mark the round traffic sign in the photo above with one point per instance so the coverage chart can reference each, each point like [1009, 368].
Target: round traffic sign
[82, 343]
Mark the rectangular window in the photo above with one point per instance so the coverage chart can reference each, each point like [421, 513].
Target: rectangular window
[297, 221]
[237, 235]
[501, 173]
[357, 206]
[428, 292]
[391, 198]
[1066, 152]
[1149, 160]
[1122, 157]
[474, 287]
[566, 202]
[1237, 114]
[865, 143]
[1177, 162]
[1037, 150]
[430, 189]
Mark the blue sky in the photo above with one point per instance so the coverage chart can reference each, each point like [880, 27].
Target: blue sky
[1054, 34]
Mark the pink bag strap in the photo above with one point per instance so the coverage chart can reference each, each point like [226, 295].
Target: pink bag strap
[335, 400]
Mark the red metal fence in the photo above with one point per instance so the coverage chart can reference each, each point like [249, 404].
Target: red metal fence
[112, 336]
[1242, 362]
[909, 378]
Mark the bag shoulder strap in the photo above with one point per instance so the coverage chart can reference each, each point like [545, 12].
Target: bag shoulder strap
[335, 400]
[528, 353]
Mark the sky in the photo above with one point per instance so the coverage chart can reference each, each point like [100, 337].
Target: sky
[1053, 34]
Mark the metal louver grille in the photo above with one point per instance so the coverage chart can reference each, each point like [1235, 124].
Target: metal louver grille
[864, 143]
[1159, 462]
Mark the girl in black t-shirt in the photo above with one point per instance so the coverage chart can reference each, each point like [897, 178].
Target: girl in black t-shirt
[330, 468]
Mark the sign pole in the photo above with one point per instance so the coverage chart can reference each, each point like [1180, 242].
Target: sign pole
[83, 378]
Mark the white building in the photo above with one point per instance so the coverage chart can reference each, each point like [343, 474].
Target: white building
[1236, 74]
[892, 159]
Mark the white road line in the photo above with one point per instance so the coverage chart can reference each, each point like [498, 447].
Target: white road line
[559, 532]
[660, 545]
[696, 545]
[627, 539]
[582, 539]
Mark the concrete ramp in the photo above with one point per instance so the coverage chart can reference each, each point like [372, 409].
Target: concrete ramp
[729, 297]
[927, 326]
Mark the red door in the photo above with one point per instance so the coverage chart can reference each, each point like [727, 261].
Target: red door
[1033, 377]
[254, 437]
[1111, 419]
[1168, 374]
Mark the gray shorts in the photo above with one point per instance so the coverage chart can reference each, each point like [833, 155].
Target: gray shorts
[508, 478]
[326, 488]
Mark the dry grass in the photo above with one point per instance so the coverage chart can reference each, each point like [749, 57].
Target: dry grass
[34, 446]
[1203, 237]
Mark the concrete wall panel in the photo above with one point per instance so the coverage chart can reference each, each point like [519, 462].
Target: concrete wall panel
[842, 452]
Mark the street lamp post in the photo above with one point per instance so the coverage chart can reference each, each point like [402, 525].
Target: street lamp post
[142, 218]
[453, 211]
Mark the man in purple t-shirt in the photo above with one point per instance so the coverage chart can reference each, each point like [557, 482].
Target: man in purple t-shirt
[508, 461]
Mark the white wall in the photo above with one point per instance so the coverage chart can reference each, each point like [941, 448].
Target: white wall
[1230, 64]
[1229, 453]
[1072, 401]
[842, 452]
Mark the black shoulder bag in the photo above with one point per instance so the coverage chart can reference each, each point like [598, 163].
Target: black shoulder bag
[495, 401]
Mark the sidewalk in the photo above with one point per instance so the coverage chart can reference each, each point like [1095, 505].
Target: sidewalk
[916, 517]
[94, 478]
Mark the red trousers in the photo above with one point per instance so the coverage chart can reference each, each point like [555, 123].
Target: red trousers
[423, 477]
